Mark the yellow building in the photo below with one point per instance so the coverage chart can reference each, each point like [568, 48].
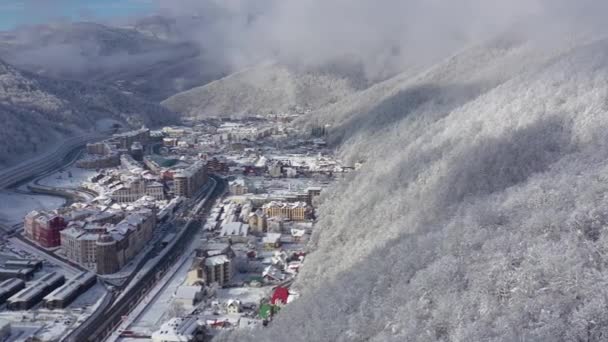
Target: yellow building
[298, 211]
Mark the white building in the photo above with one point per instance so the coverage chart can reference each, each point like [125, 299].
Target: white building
[233, 306]
[238, 187]
[235, 230]
[271, 241]
[176, 329]
[189, 295]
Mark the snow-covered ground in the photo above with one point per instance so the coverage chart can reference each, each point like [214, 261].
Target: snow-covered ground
[244, 294]
[152, 317]
[23, 249]
[14, 206]
[146, 316]
[90, 298]
[71, 178]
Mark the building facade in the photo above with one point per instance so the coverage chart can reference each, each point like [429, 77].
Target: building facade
[126, 140]
[187, 182]
[258, 222]
[136, 188]
[219, 270]
[238, 187]
[298, 211]
[107, 248]
[208, 270]
[44, 228]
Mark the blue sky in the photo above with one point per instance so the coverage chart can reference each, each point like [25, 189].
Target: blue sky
[25, 12]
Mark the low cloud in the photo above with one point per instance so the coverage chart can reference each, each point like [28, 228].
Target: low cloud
[383, 36]
[379, 38]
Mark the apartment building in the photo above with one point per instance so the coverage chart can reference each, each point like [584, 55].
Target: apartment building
[217, 164]
[258, 222]
[219, 270]
[44, 228]
[108, 153]
[214, 265]
[188, 181]
[128, 162]
[275, 169]
[79, 246]
[99, 148]
[107, 248]
[297, 211]
[238, 187]
[135, 188]
[126, 140]
[111, 159]
[313, 193]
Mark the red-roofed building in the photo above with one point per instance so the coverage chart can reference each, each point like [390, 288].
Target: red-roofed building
[44, 228]
[280, 296]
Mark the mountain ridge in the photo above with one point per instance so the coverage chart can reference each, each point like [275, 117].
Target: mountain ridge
[122, 57]
[478, 212]
[37, 110]
[268, 88]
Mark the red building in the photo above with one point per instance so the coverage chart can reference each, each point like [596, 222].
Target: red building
[44, 228]
[279, 296]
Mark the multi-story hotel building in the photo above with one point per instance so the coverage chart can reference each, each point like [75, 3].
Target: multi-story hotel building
[136, 188]
[44, 228]
[298, 211]
[126, 140]
[187, 182]
[107, 248]
[238, 187]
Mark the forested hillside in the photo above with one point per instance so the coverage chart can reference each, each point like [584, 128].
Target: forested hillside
[135, 62]
[268, 88]
[36, 111]
[479, 213]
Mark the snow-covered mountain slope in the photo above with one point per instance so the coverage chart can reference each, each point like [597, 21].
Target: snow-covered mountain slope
[479, 214]
[36, 111]
[122, 57]
[265, 89]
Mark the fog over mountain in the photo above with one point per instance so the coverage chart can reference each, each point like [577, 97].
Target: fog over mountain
[36, 112]
[122, 57]
[384, 37]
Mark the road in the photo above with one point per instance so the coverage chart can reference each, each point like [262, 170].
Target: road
[33, 186]
[71, 195]
[143, 319]
[102, 325]
[44, 163]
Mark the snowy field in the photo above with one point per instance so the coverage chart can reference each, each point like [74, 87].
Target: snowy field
[14, 206]
[244, 294]
[161, 304]
[62, 179]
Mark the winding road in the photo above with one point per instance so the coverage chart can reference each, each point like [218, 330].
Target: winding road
[44, 163]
